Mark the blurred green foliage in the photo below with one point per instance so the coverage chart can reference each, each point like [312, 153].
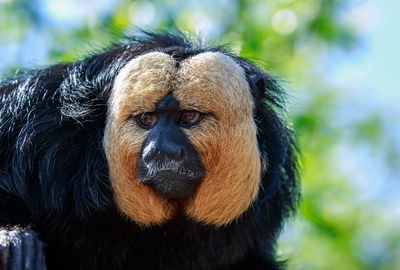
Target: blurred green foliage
[337, 227]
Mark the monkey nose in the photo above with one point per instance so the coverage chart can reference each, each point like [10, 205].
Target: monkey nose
[165, 150]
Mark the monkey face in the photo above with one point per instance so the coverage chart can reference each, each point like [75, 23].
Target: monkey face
[212, 165]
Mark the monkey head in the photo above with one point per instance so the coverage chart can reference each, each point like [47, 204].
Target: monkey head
[182, 133]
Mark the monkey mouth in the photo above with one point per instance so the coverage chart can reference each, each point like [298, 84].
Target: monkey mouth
[173, 172]
[172, 183]
[168, 169]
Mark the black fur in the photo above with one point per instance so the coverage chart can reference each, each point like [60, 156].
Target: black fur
[54, 178]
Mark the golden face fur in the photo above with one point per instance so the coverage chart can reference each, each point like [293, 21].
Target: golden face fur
[225, 139]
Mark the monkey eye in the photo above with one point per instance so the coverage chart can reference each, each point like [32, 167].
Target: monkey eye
[189, 117]
[146, 119]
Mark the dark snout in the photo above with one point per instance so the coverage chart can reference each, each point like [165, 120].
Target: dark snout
[171, 167]
[168, 161]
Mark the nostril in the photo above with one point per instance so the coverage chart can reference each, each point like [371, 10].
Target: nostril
[182, 153]
[148, 158]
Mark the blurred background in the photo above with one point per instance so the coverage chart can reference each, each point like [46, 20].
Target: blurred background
[337, 59]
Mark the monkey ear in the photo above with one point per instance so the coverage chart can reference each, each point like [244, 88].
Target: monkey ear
[257, 87]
